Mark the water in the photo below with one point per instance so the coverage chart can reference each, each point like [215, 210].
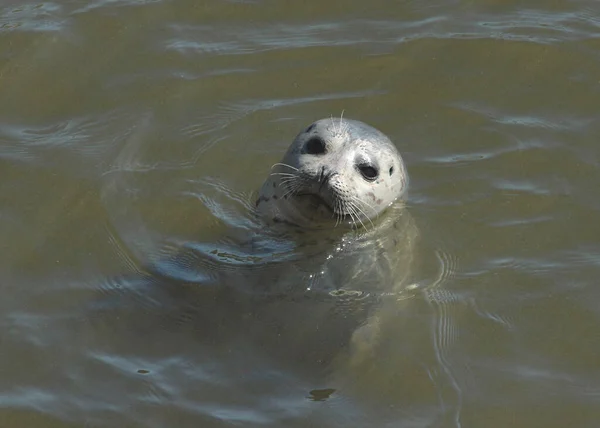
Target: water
[128, 125]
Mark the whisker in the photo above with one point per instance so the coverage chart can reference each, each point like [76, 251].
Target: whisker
[337, 211]
[355, 211]
[365, 204]
[363, 213]
[341, 213]
[352, 215]
[291, 188]
[341, 122]
[290, 185]
[354, 218]
[354, 207]
[288, 180]
[285, 165]
[288, 174]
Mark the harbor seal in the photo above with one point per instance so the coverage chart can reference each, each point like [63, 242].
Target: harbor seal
[328, 221]
[342, 171]
[313, 273]
[341, 186]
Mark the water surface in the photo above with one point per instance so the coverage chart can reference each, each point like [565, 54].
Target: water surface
[131, 129]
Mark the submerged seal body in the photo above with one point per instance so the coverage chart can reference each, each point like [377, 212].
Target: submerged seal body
[336, 172]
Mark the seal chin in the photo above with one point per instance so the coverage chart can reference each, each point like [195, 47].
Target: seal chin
[316, 200]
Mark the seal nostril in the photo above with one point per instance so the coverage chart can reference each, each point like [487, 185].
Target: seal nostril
[391, 170]
[315, 146]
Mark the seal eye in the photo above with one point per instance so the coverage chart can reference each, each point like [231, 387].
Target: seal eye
[314, 146]
[368, 172]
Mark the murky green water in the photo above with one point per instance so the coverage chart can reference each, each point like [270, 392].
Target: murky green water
[129, 130]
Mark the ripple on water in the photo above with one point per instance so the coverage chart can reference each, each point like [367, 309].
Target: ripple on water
[228, 113]
[86, 143]
[239, 40]
[90, 6]
[33, 17]
[506, 179]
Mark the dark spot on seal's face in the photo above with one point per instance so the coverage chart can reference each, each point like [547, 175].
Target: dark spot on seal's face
[375, 198]
[275, 197]
[391, 170]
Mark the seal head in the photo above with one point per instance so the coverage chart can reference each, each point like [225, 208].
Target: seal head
[336, 172]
